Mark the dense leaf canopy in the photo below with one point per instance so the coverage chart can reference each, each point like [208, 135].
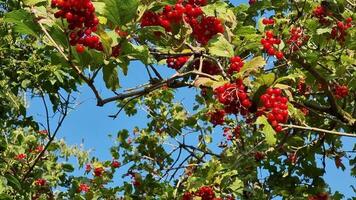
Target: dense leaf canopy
[274, 82]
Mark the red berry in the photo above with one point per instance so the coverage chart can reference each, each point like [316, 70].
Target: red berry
[80, 48]
[279, 55]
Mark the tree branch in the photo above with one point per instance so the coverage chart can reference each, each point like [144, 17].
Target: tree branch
[291, 126]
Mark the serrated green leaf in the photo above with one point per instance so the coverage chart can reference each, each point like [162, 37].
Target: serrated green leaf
[268, 130]
[219, 46]
[253, 64]
[23, 22]
[266, 79]
[321, 31]
[120, 12]
[33, 2]
[111, 76]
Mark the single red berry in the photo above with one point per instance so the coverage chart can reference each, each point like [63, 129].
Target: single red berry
[279, 55]
[80, 48]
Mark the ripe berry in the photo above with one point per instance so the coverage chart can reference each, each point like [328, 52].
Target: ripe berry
[115, 164]
[98, 171]
[341, 91]
[80, 48]
[40, 182]
[217, 117]
[279, 55]
[83, 188]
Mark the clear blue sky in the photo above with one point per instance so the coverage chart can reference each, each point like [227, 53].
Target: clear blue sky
[92, 125]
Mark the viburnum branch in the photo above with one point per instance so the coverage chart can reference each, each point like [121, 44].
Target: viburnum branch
[76, 69]
[217, 62]
[335, 109]
[171, 82]
[292, 126]
[51, 139]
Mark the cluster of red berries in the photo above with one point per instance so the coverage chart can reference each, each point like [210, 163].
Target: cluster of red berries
[259, 156]
[234, 97]
[177, 63]
[274, 107]
[251, 2]
[321, 196]
[267, 22]
[321, 13]
[297, 38]
[83, 188]
[115, 164]
[204, 28]
[268, 45]
[21, 156]
[80, 14]
[302, 87]
[116, 51]
[341, 91]
[232, 134]
[217, 117]
[236, 64]
[98, 171]
[40, 182]
[208, 67]
[338, 32]
[205, 193]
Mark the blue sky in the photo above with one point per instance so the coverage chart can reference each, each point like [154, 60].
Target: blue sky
[90, 124]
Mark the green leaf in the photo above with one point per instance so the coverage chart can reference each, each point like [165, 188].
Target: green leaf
[139, 52]
[120, 12]
[23, 22]
[33, 2]
[268, 130]
[253, 64]
[111, 76]
[68, 167]
[321, 31]
[13, 182]
[219, 46]
[266, 79]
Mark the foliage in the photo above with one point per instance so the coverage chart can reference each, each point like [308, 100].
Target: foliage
[275, 78]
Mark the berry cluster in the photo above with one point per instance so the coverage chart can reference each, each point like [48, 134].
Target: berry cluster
[259, 156]
[341, 91]
[204, 193]
[268, 45]
[217, 117]
[339, 31]
[274, 107]
[80, 15]
[297, 38]
[21, 156]
[177, 63]
[40, 182]
[204, 28]
[251, 2]
[267, 22]
[83, 188]
[236, 64]
[302, 87]
[321, 13]
[116, 51]
[115, 164]
[234, 97]
[98, 171]
[232, 134]
[208, 67]
[320, 196]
